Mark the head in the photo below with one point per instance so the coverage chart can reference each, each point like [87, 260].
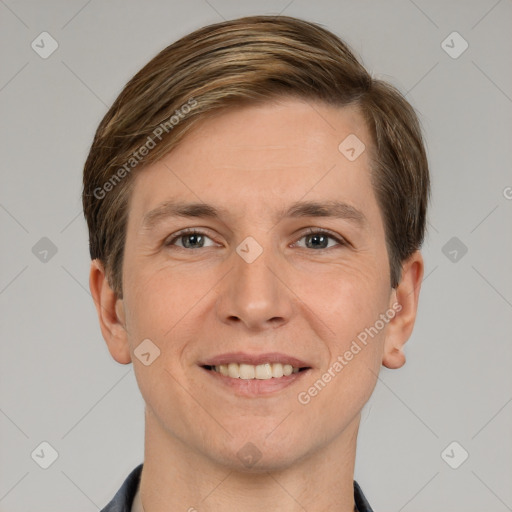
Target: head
[247, 118]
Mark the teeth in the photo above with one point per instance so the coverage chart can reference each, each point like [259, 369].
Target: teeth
[246, 371]
[261, 371]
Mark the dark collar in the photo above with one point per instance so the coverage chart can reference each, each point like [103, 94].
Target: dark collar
[123, 500]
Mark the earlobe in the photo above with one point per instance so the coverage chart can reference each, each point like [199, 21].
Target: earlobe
[111, 314]
[404, 300]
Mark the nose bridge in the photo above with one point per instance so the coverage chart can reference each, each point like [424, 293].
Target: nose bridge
[254, 292]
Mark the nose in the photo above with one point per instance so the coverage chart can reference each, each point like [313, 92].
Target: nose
[255, 293]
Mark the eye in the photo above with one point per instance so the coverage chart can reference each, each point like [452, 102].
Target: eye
[192, 239]
[195, 239]
[320, 239]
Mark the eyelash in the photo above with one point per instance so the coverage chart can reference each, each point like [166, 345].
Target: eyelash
[311, 231]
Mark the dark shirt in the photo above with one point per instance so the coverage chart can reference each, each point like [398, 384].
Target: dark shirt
[122, 501]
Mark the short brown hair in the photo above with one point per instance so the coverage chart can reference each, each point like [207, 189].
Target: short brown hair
[248, 61]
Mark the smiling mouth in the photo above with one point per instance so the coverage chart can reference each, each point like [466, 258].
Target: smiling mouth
[264, 371]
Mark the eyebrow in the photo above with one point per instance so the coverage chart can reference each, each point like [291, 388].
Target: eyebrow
[174, 208]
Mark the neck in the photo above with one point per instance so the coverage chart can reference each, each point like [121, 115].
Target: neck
[179, 476]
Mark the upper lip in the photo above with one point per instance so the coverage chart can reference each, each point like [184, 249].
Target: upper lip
[254, 359]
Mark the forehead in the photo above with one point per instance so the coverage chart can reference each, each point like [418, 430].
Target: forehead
[263, 155]
[287, 132]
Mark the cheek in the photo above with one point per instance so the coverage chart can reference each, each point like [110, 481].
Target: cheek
[348, 296]
[159, 310]
[354, 344]
[159, 298]
[351, 306]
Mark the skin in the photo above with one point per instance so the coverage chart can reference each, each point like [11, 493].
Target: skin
[296, 297]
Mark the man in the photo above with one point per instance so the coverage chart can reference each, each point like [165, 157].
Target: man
[256, 203]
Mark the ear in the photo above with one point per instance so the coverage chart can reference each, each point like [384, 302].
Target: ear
[405, 299]
[111, 314]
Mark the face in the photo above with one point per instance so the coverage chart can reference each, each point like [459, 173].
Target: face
[257, 273]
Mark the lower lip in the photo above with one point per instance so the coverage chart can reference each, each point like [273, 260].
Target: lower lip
[256, 387]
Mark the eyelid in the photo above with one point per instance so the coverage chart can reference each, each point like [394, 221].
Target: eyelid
[186, 231]
[341, 240]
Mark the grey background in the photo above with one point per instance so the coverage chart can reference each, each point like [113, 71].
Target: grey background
[58, 382]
